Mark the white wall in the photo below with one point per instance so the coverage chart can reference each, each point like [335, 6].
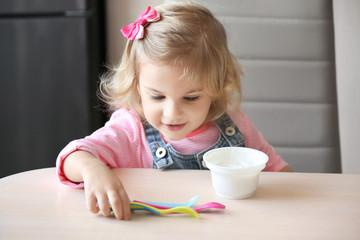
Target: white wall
[347, 52]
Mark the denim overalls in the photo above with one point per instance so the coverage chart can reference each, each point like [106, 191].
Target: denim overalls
[166, 157]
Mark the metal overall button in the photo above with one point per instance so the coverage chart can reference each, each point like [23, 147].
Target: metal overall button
[230, 131]
[160, 152]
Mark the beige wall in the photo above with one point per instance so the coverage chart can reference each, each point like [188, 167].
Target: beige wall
[119, 14]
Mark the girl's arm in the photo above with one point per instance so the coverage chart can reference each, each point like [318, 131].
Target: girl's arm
[100, 184]
[254, 139]
[286, 169]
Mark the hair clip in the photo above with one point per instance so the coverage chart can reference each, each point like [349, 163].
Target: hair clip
[135, 30]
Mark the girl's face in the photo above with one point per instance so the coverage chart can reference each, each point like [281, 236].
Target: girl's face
[171, 103]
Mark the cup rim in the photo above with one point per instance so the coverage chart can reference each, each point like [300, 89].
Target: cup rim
[253, 169]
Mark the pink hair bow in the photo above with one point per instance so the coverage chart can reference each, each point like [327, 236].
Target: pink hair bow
[136, 30]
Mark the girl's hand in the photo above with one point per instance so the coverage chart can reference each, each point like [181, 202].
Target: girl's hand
[100, 184]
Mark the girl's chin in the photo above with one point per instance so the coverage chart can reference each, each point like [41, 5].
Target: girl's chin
[174, 136]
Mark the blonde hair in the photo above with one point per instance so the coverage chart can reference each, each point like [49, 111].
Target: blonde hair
[187, 35]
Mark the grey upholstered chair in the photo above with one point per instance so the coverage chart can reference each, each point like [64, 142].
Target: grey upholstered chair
[286, 49]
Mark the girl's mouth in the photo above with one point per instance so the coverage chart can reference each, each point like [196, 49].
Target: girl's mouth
[174, 127]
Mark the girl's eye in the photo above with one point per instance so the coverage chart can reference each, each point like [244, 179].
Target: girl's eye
[157, 97]
[190, 99]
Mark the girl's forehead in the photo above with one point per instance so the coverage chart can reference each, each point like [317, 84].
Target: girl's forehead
[158, 73]
[188, 68]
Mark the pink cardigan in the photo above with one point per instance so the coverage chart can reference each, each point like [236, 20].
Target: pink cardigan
[122, 143]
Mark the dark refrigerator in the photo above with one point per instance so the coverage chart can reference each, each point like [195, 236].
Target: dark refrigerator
[51, 57]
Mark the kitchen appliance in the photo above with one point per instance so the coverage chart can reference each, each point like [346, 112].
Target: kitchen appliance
[51, 57]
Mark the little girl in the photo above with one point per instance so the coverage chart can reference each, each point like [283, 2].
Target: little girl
[175, 96]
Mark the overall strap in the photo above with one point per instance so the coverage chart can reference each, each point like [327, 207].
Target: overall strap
[230, 136]
[230, 131]
[162, 158]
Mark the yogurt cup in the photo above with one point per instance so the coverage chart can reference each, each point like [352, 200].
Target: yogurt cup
[235, 170]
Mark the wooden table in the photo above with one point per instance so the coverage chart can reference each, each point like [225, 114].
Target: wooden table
[34, 205]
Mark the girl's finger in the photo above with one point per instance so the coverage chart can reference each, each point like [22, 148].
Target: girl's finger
[104, 206]
[91, 204]
[126, 207]
[120, 204]
[116, 205]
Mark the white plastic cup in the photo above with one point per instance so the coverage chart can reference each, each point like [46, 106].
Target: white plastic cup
[235, 170]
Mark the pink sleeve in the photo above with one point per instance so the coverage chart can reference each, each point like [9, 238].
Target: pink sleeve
[254, 139]
[70, 148]
[120, 143]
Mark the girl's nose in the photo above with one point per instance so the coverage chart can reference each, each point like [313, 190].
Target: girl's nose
[172, 110]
